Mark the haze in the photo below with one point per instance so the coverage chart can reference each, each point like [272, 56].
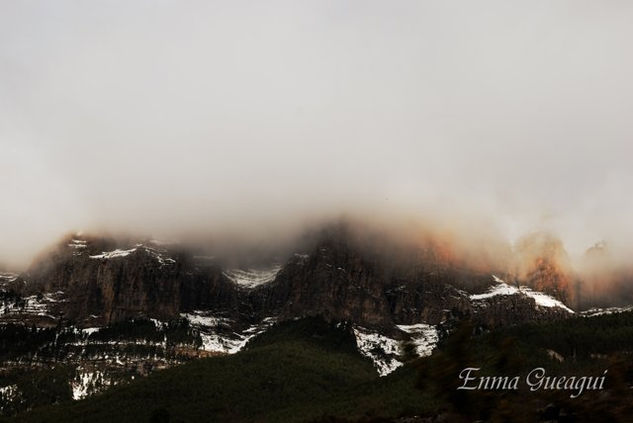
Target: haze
[172, 118]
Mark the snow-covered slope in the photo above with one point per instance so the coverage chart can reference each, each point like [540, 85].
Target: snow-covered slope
[7, 277]
[113, 254]
[423, 336]
[88, 382]
[387, 353]
[502, 288]
[218, 335]
[36, 307]
[251, 278]
[159, 255]
[382, 350]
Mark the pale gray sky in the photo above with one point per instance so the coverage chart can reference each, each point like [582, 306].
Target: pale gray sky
[164, 116]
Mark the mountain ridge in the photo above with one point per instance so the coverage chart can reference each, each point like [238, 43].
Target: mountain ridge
[336, 280]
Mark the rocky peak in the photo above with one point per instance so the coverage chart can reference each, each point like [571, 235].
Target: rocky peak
[542, 263]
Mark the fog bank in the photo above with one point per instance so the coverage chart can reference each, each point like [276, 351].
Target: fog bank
[193, 119]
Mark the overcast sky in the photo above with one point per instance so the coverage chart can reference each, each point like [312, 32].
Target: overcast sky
[162, 116]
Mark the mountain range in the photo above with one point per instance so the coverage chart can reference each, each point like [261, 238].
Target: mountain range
[106, 311]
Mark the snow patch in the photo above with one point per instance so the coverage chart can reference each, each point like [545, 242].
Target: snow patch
[251, 278]
[502, 288]
[497, 279]
[36, 305]
[77, 244]
[235, 342]
[8, 277]
[10, 396]
[423, 336]
[157, 254]
[381, 349]
[546, 300]
[592, 312]
[217, 335]
[215, 342]
[114, 254]
[87, 383]
[387, 353]
[158, 324]
[9, 393]
[201, 318]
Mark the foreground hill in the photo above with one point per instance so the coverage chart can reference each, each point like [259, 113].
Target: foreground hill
[296, 371]
[309, 370]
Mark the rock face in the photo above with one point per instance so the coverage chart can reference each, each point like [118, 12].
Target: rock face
[333, 281]
[99, 281]
[124, 283]
[338, 282]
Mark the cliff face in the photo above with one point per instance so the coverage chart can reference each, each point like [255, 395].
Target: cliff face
[98, 281]
[334, 281]
[340, 283]
[127, 282]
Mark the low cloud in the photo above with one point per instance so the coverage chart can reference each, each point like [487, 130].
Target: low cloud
[205, 118]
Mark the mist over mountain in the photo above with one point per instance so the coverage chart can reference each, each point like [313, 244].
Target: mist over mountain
[257, 121]
[538, 260]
